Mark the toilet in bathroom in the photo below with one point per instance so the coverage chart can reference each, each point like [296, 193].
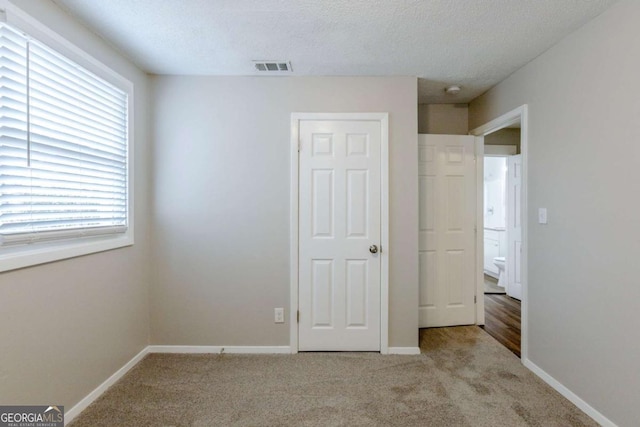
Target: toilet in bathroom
[500, 262]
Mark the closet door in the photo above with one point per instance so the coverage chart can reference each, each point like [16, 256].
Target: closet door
[447, 230]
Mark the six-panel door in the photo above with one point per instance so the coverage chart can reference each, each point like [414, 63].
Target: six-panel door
[514, 226]
[339, 220]
[447, 256]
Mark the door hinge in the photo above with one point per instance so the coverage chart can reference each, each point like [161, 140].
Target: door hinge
[299, 145]
[475, 299]
[298, 316]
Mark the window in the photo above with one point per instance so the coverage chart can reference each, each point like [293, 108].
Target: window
[64, 135]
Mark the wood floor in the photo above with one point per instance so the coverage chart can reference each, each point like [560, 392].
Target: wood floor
[502, 320]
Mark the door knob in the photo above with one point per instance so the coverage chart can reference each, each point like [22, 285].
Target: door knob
[373, 249]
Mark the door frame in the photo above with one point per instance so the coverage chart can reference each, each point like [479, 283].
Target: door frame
[383, 119]
[518, 114]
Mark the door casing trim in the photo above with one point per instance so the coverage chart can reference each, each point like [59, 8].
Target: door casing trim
[383, 119]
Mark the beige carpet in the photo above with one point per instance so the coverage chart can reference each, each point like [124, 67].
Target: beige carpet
[463, 378]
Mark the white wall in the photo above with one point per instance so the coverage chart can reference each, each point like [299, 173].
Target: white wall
[584, 165]
[447, 119]
[65, 327]
[494, 192]
[222, 202]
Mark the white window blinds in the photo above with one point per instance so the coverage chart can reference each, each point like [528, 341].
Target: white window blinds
[63, 146]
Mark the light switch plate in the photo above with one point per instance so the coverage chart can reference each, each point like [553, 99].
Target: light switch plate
[542, 215]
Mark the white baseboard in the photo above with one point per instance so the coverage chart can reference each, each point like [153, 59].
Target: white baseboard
[91, 397]
[404, 350]
[571, 396]
[195, 349]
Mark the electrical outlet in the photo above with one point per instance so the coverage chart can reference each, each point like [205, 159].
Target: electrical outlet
[279, 315]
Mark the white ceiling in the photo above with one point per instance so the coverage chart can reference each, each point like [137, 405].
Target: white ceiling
[473, 43]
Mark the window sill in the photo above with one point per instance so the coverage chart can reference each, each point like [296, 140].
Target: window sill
[13, 258]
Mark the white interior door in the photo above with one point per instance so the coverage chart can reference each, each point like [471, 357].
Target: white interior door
[339, 222]
[447, 230]
[514, 227]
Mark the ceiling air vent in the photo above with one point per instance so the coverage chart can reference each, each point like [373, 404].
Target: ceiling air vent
[273, 66]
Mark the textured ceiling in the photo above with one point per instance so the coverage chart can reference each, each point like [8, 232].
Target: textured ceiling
[473, 43]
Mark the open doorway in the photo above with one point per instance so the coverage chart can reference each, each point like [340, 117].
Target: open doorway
[501, 242]
[502, 239]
